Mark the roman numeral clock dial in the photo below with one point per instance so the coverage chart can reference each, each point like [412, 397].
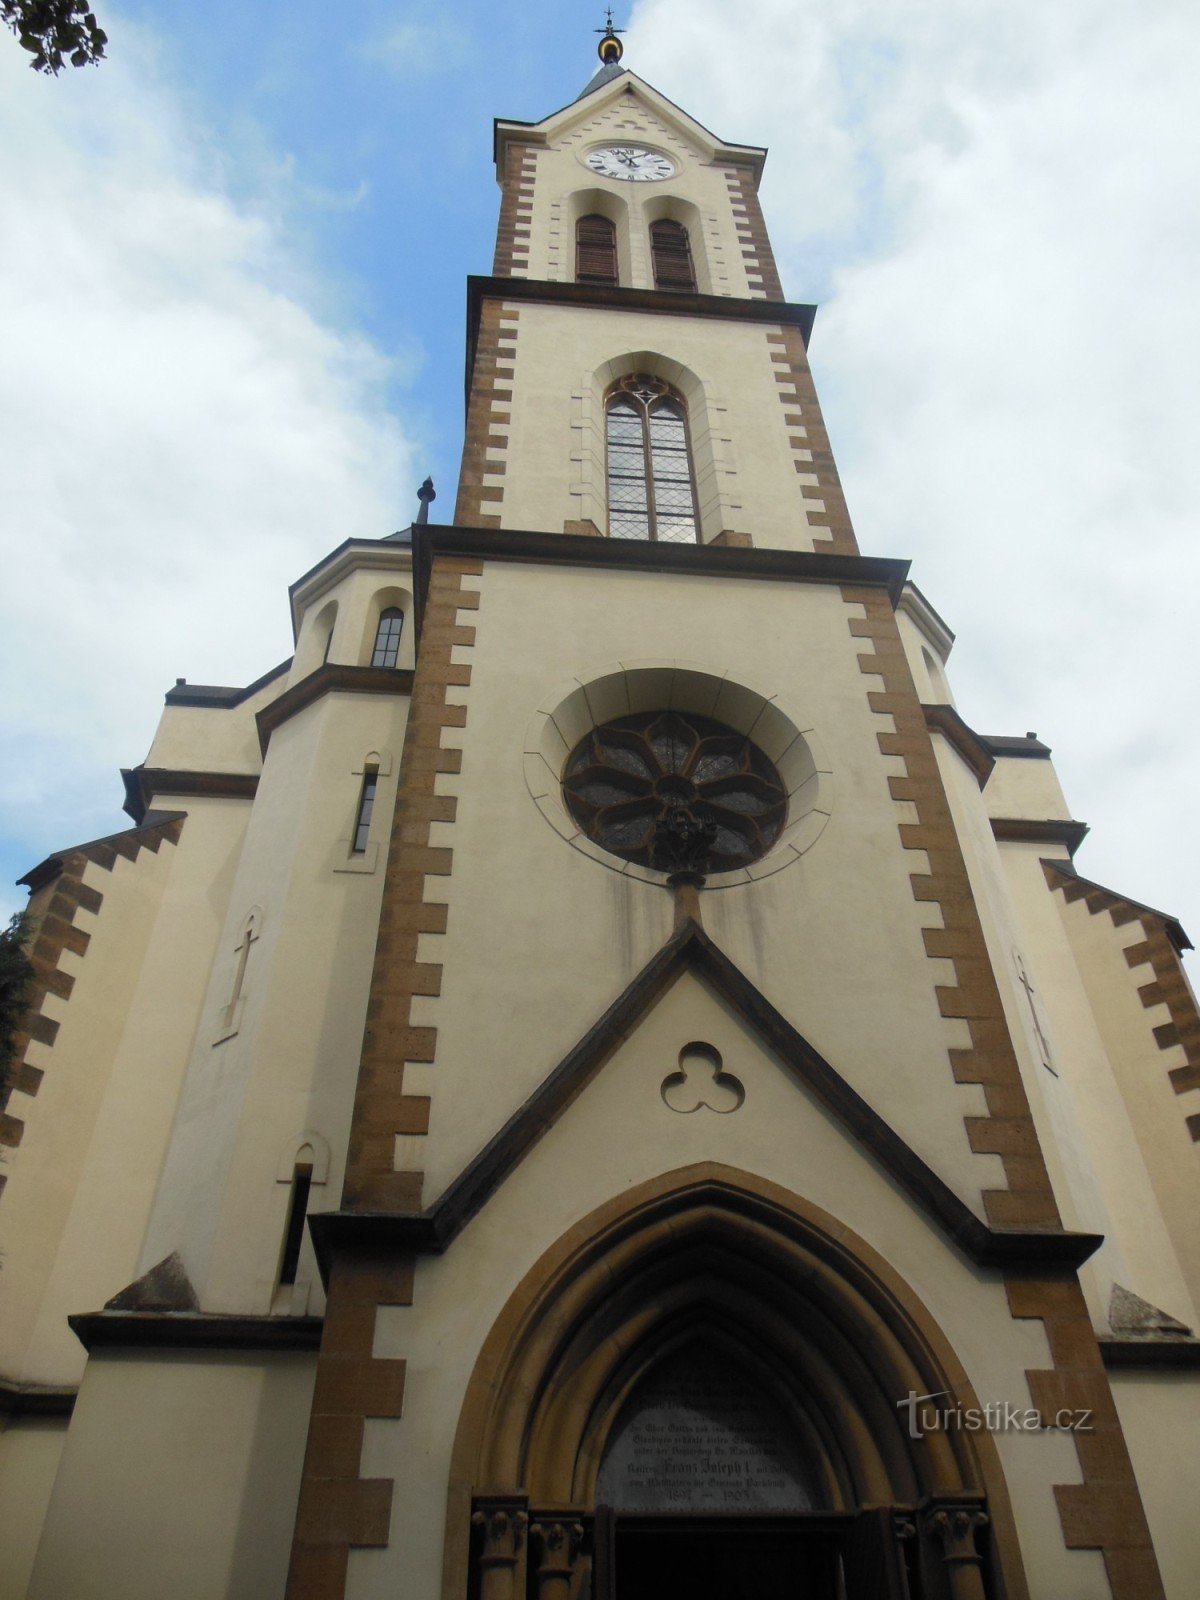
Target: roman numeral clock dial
[630, 162]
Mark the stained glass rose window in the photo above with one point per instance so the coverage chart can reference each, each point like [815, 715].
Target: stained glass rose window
[675, 791]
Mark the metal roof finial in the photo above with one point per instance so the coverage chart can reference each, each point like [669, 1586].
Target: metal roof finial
[425, 494]
[610, 49]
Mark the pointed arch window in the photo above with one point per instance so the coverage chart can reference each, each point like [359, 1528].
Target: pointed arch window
[671, 251]
[650, 489]
[595, 250]
[387, 637]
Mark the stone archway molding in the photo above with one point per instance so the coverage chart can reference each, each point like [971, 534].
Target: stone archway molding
[818, 1315]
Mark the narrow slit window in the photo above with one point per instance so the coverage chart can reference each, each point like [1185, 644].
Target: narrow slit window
[672, 252]
[366, 804]
[387, 637]
[297, 1212]
[650, 489]
[596, 251]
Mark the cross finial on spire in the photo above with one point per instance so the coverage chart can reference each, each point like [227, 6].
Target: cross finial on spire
[610, 49]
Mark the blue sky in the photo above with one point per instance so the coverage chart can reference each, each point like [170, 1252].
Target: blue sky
[369, 127]
[232, 281]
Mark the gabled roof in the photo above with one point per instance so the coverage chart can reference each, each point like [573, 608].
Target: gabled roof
[690, 949]
[610, 85]
[603, 75]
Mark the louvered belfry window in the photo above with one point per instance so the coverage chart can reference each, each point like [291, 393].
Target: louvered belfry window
[650, 492]
[595, 250]
[672, 254]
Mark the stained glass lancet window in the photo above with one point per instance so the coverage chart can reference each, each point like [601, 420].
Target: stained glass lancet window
[650, 491]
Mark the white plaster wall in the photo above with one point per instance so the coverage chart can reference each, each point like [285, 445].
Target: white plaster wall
[554, 460]
[211, 739]
[29, 1455]
[1152, 1112]
[82, 1180]
[1023, 787]
[1096, 1166]
[1160, 1417]
[542, 939]
[931, 684]
[699, 180]
[179, 1477]
[292, 1063]
[619, 1133]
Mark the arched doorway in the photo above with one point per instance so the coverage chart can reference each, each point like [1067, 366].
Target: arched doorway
[714, 1331]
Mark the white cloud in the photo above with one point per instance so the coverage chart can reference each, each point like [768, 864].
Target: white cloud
[998, 206]
[182, 437]
[419, 44]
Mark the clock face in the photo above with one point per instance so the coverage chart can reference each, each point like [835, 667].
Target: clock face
[631, 162]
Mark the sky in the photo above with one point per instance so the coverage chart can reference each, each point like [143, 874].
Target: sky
[232, 287]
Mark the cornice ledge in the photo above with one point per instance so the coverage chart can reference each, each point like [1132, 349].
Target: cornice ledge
[329, 679]
[1119, 1351]
[1044, 830]
[220, 697]
[36, 1399]
[193, 1330]
[142, 782]
[432, 1232]
[662, 302]
[934, 627]
[637, 555]
[963, 738]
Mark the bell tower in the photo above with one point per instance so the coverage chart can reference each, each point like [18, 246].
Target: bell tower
[631, 244]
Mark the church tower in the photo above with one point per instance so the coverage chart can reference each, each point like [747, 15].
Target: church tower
[739, 1151]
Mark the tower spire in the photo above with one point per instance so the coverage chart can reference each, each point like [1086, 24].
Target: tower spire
[610, 50]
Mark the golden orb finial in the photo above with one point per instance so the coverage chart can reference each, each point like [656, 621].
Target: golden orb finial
[610, 49]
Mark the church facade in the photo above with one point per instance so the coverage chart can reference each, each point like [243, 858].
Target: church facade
[592, 1079]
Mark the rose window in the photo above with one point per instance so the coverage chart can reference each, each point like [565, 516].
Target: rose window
[674, 791]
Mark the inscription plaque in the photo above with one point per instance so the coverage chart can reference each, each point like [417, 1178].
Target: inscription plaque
[696, 1435]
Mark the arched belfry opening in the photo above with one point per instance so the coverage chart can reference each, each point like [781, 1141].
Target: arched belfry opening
[699, 1391]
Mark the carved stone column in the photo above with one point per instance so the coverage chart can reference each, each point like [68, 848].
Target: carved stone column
[555, 1544]
[952, 1525]
[502, 1523]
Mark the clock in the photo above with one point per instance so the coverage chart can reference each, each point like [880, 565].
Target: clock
[632, 162]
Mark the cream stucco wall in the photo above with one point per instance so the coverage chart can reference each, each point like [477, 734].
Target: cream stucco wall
[82, 1180]
[542, 939]
[353, 587]
[30, 1450]
[618, 1133]
[745, 468]
[179, 1477]
[1097, 1168]
[1152, 1113]
[288, 1064]
[697, 193]
[1025, 787]
[212, 739]
[1160, 1417]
